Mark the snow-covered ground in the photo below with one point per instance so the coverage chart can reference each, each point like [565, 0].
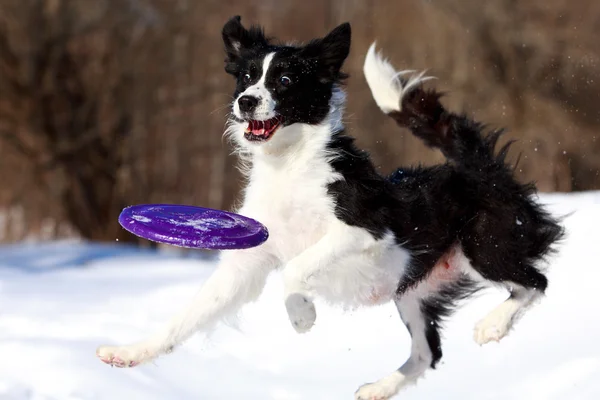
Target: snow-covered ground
[58, 301]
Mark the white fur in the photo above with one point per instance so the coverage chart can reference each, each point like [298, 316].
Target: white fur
[384, 82]
[346, 266]
[319, 254]
[497, 324]
[239, 279]
[266, 104]
[409, 307]
[383, 389]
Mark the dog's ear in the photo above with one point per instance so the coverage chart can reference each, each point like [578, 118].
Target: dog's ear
[237, 38]
[335, 47]
[331, 51]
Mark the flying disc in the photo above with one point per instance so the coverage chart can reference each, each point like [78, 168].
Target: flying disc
[193, 227]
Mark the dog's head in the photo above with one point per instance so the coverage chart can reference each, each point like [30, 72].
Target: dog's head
[278, 86]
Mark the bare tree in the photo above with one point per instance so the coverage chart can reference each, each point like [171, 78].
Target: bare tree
[107, 103]
[66, 102]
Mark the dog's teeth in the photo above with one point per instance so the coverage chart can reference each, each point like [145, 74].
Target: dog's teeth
[262, 128]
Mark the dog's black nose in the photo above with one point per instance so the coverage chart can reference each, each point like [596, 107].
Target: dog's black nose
[247, 103]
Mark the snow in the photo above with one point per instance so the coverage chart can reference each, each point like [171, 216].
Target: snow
[60, 300]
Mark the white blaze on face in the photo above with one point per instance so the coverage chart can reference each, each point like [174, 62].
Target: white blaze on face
[266, 104]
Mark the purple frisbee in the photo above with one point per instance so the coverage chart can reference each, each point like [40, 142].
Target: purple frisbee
[193, 227]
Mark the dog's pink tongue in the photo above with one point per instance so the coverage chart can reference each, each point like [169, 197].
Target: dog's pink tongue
[259, 128]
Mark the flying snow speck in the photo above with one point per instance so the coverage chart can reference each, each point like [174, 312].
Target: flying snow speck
[519, 222]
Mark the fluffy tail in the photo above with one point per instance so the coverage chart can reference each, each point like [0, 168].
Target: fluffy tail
[400, 95]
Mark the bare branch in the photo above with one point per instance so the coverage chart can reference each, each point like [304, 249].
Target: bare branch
[12, 139]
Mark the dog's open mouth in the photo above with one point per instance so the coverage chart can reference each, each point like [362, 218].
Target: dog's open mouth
[261, 131]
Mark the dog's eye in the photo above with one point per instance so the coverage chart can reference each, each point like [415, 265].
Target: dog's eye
[285, 81]
[246, 78]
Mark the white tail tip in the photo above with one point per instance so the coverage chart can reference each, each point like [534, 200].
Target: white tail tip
[384, 81]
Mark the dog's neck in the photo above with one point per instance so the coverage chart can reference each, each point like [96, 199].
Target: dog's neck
[299, 162]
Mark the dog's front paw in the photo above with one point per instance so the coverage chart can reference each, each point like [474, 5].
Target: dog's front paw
[125, 356]
[301, 311]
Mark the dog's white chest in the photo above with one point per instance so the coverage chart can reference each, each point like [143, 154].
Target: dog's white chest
[293, 205]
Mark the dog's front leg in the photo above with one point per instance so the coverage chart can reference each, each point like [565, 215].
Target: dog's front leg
[238, 279]
[302, 272]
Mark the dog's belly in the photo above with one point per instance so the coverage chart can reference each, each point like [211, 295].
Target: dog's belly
[368, 278]
[372, 277]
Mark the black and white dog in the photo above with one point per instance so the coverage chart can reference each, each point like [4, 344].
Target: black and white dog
[422, 237]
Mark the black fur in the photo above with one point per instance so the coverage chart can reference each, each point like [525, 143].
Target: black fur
[440, 306]
[504, 232]
[472, 200]
[313, 69]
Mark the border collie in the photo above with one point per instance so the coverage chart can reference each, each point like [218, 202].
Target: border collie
[423, 237]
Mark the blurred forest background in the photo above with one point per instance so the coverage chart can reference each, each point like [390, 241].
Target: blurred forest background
[108, 103]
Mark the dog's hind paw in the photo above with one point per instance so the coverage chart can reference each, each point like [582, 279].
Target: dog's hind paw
[376, 391]
[301, 311]
[491, 329]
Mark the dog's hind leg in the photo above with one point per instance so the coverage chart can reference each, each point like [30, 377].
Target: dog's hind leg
[425, 350]
[422, 309]
[524, 282]
[502, 262]
[498, 322]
